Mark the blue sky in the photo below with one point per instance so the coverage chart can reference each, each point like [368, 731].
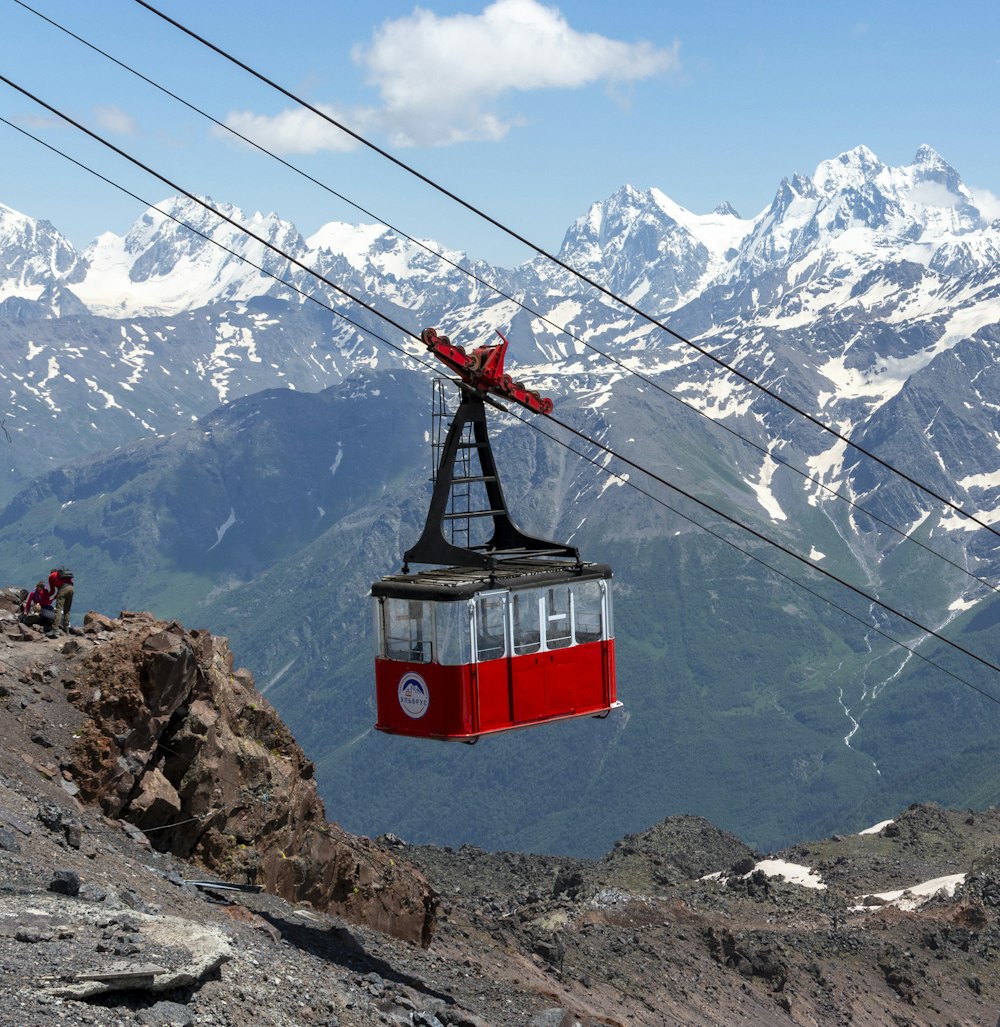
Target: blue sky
[527, 109]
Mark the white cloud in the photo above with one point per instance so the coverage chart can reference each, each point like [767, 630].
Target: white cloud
[38, 121]
[987, 202]
[114, 119]
[934, 194]
[295, 130]
[439, 77]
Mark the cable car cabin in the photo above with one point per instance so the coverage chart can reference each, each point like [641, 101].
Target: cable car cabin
[507, 630]
[463, 652]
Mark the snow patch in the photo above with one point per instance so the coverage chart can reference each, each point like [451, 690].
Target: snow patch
[223, 528]
[877, 828]
[762, 489]
[793, 873]
[980, 481]
[954, 521]
[337, 459]
[916, 895]
[613, 479]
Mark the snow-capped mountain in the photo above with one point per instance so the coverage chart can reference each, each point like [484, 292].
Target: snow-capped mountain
[847, 287]
[32, 255]
[179, 256]
[855, 211]
[650, 250]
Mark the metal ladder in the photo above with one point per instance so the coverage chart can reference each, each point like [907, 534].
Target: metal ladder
[459, 513]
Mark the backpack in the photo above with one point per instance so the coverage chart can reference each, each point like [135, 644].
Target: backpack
[65, 575]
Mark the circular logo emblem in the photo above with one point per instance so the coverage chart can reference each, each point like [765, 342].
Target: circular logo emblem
[414, 698]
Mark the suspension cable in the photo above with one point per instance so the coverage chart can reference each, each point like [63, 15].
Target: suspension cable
[778, 545]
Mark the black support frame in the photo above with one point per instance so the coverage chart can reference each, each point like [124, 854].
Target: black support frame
[508, 541]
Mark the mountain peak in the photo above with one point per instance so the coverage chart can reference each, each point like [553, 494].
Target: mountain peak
[32, 253]
[850, 169]
[726, 208]
[789, 192]
[10, 216]
[927, 156]
[930, 166]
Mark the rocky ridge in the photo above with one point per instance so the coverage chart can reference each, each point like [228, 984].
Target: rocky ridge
[164, 860]
[174, 741]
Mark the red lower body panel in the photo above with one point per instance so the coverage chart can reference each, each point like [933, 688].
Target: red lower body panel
[428, 700]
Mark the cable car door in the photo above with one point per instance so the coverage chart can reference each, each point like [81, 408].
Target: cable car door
[528, 670]
[492, 662]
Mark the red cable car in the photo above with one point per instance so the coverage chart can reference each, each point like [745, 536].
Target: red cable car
[505, 633]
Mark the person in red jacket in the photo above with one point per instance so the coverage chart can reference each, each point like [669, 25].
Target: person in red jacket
[38, 609]
[61, 582]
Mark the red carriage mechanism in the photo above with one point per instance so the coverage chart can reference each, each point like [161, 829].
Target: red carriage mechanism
[482, 369]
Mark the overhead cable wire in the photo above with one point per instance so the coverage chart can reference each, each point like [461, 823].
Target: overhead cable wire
[623, 365]
[569, 428]
[541, 251]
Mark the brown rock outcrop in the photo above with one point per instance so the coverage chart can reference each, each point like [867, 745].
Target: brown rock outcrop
[183, 746]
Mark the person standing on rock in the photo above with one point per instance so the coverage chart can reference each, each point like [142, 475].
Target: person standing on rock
[61, 582]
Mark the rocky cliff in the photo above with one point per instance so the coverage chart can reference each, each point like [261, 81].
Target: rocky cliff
[178, 743]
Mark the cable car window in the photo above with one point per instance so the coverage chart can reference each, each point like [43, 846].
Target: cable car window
[587, 610]
[452, 633]
[491, 614]
[408, 630]
[558, 625]
[526, 619]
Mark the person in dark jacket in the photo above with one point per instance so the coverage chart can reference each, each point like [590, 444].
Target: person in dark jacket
[61, 580]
